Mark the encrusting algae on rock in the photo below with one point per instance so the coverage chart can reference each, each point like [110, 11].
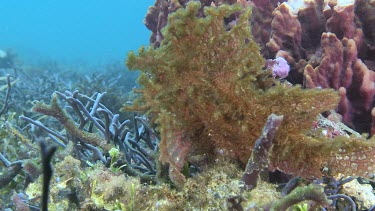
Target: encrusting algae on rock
[207, 91]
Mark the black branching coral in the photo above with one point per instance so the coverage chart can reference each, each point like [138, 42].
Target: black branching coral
[206, 90]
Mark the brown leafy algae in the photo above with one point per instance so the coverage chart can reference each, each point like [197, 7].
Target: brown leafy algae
[206, 90]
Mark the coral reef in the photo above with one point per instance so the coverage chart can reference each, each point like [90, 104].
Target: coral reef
[105, 189]
[216, 92]
[20, 164]
[362, 194]
[99, 188]
[157, 15]
[206, 89]
[328, 44]
[97, 130]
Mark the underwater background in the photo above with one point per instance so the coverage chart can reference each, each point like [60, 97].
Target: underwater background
[73, 31]
[187, 105]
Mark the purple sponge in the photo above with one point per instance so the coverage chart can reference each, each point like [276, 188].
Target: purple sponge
[279, 66]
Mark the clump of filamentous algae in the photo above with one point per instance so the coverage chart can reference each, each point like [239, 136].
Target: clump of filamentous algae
[207, 92]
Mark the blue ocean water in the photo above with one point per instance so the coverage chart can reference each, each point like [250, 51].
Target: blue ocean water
[69, 31]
